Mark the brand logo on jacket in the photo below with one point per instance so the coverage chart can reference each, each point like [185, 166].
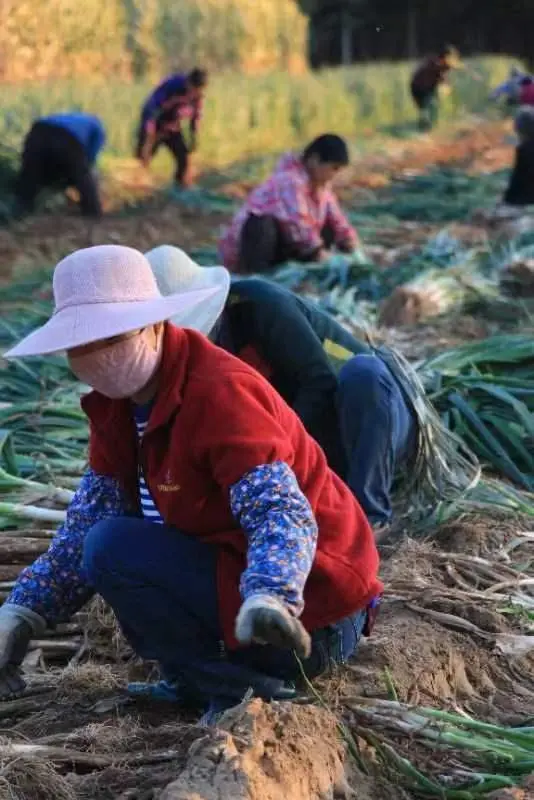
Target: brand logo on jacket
[168, 485]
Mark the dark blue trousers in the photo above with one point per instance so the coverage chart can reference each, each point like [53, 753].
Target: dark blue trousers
[378, 431]
[162, 586]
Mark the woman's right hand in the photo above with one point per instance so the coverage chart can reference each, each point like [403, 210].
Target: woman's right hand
[266, 620]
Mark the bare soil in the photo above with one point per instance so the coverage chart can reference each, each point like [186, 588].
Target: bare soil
[436, 644]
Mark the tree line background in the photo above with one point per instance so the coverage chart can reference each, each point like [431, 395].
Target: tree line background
[345, 31]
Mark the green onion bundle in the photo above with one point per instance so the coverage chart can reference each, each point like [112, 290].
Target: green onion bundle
[43, 431]
[481, 757]
[485, 394]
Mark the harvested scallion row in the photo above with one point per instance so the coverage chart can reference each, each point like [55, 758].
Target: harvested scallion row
[493, 756]
[18, 511]
[485, 390]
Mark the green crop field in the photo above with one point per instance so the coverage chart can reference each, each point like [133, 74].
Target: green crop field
[253, 115]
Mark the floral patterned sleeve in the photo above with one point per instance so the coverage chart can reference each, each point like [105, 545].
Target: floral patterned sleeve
[282, 533]
[55, 586]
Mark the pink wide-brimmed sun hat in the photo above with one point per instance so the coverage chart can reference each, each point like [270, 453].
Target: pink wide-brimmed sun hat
[108, 290]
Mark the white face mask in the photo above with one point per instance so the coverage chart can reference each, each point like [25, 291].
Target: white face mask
[120, 370]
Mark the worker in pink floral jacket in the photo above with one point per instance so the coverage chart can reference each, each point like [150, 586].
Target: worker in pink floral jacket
[294, 215]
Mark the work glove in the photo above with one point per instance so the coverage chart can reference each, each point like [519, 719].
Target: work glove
[266, 620]
[18, 625]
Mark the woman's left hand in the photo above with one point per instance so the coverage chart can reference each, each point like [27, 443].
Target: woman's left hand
[266, 620]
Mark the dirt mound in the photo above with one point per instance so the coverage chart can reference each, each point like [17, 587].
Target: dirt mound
[423, 662]
[406, 306]
[268, 752]
[526, 792]
[449, 605]
[480, 535]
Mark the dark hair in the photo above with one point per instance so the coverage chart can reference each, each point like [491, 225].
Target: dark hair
[329, 149]
[198, 78]
[526, 81]
[446, 50]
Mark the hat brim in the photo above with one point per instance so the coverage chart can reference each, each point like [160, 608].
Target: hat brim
[217, 278]
[175, 271]
[79, 325]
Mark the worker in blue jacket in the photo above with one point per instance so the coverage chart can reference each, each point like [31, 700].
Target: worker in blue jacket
[60, 151]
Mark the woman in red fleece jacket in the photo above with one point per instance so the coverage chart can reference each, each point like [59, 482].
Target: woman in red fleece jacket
[208, 519]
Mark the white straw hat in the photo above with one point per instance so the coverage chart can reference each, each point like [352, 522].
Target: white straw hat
[108, 290]
[176, 272]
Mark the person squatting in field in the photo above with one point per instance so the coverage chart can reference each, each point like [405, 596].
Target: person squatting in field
[177, 100]
[208, 518]
[520, 190]
[343, 391]
[294, 215]
[59, 152]
[426, 81]
[511, 88]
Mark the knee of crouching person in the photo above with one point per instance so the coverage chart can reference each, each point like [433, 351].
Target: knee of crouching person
[100, 547]
[363, 374]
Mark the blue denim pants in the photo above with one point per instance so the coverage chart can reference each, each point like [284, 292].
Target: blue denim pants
[161, 584]
[378, 432]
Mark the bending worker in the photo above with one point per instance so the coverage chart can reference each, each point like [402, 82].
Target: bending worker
[208, 518]
[60, 151]
[177, 100]
[426, 81]
[294, 215]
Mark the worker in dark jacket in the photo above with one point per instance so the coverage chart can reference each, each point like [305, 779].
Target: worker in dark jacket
[345, 394]
[520, 191]
[426, 81]
[60, 151]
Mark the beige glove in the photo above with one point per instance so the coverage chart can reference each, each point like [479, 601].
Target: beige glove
[266, 620]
